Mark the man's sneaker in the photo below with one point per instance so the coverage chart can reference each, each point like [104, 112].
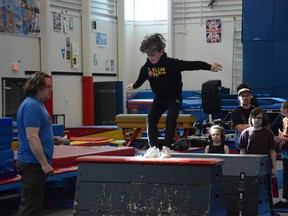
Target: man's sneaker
[152, 152]
[166, 152]
[281, 204]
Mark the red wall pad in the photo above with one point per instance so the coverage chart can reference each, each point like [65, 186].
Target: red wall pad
[149, 186]
[49, 105]
[88, 100]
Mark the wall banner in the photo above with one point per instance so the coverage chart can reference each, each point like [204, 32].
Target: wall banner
[213, 31]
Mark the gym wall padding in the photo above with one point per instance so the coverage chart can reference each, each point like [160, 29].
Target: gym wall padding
[265, 46]
[88, 101]
[280, 63]
[258, 20]
[280, 20]
[49, 105]
[258, 62]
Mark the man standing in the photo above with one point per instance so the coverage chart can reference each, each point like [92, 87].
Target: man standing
[36, 144]
[240, 114]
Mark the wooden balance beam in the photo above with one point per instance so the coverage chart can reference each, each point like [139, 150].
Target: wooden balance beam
[138, 122]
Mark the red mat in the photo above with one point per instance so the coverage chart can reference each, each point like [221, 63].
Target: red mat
[95, 139]
[141, 160]
[64, 158]
[65, 155]
[88, 130]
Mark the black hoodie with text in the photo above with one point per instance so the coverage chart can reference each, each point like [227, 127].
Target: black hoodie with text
[165, 76]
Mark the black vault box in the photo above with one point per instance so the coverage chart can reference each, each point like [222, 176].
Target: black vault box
[142, 186]
[247, 182]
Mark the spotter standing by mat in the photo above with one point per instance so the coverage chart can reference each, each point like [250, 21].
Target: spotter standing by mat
[36, 144]
[164, 75]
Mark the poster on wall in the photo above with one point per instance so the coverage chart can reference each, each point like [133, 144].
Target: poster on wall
[213, 31]
[68, 48]
[57, 21]
[75, 56]
[101, 39]
[65, 24]
[20, 17]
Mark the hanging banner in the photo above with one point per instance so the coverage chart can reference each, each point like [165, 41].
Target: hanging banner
[213, 31]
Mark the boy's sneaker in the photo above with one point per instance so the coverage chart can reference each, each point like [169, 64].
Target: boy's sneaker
[152, 152]
[281, 204]
[166, 152]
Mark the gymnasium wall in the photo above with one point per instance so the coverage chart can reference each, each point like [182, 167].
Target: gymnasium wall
[189, 31]
[265, 46]
[25, 51]
[46, 51]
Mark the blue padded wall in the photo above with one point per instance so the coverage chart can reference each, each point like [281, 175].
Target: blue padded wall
[280, 20]
[265, 46]
[254, 54]
[258, 25]
[280, 75]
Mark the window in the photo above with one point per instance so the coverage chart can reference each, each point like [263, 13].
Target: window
[146, 10]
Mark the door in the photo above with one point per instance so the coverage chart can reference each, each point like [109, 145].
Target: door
[12, 96]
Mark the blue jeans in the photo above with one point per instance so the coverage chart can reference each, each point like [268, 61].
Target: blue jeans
[33, 182]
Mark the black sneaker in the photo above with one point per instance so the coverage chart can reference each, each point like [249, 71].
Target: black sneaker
[281, 204]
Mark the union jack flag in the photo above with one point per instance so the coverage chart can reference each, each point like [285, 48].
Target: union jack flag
[213, 31]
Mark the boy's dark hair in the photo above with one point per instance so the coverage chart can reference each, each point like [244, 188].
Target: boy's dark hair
[35, 82]
[152, 43]
[256, 111]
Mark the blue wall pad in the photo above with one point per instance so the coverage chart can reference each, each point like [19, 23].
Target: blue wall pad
[6, 122]
[6, 133]
[261, 20]
[7, 164]
[257, 64]
[6, 138]
[280, 20]
[258, 20]
[5, 146]
[145, 94]
[58, 129]
[281, 92]
[280, 75]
